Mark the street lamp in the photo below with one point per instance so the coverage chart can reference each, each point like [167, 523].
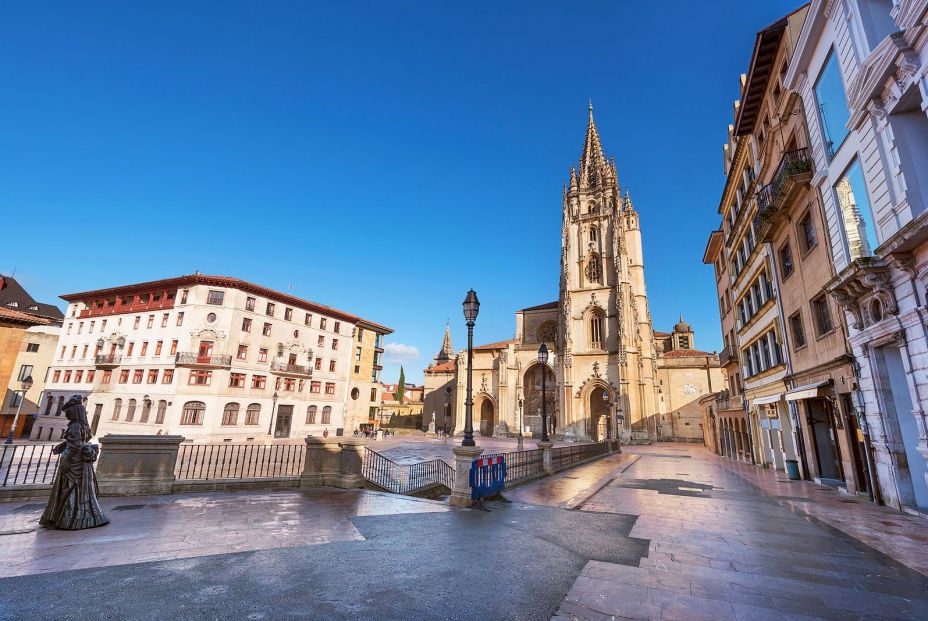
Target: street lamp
[520, 420]
[27, 384]
[270, 424]
[471, 308]
[608, 408]
[543, 359]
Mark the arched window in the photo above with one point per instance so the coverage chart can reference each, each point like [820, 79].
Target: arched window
[252, 414]
[230, 414]
[146, 410]
[594, 268]
[594, 233]
[311, 415]
[130, 411]
[595, 326]
[162, 410]
[327, 415]
[117, 408]
[594, 208]
[193, 413]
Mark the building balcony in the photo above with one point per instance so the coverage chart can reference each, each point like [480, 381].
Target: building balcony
[107, 361]
[728, 402]
[793, 173]
[728, 356]
[214, 361]
[291, 370]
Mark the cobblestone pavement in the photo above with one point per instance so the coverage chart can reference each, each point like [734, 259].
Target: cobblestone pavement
[729, 541]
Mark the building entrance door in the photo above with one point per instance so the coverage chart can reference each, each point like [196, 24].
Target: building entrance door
[827, 453]
[900, 400]
[284, 420]
[487, 421]
[856, 438]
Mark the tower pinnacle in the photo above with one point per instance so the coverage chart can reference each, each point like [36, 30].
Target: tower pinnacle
[447, 351]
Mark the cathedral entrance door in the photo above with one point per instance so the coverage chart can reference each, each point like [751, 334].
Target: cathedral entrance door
[487, 421]
[597, 409]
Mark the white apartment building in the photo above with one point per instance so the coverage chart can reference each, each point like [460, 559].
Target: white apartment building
[210, 358]
[861, 67]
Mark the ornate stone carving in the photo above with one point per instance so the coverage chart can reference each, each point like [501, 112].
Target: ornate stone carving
[863, 280]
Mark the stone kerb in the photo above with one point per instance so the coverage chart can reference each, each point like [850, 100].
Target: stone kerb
[133, 465]
[322, 464]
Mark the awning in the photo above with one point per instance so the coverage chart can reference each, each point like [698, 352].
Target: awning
[766, 400]
[808, 391]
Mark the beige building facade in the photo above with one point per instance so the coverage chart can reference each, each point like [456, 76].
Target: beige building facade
[364, 395]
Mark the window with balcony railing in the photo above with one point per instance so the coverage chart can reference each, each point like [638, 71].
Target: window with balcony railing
[763, 354]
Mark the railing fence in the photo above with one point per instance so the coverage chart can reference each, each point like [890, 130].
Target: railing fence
[405, 478]
[201, 462]
[27, 464]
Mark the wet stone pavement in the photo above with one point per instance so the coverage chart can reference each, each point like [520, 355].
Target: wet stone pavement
[661, 532]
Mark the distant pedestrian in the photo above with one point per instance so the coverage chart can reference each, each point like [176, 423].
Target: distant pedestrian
[325, 434]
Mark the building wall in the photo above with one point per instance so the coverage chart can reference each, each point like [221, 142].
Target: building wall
[684, 382]
[367, 344]
[309, 343]
[44, 339]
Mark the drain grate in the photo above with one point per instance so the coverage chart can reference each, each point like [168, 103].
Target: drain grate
[129, 507]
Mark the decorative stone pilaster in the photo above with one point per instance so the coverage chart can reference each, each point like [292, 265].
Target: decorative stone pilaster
[132, 465]
[546, 462]
[460, 492]
[322, 465]
[350, 461]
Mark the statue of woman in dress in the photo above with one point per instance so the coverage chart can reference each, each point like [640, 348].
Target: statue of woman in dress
[73, 502]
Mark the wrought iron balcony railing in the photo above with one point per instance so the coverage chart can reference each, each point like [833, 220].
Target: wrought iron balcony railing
[284, 368]
[795, 168]
[190, 359]
[107, 361]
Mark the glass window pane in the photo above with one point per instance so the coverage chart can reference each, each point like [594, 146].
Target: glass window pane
[832, 104]
[855, 213]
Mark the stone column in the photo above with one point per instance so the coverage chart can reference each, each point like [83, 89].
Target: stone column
[322, 464]
[460, 492]
[132, 465]
[547, 464]
[351, 459]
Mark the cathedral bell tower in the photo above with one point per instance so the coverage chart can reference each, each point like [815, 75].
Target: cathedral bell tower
[605, 339]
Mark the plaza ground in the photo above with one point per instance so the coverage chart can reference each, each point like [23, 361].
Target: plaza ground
[664, 531]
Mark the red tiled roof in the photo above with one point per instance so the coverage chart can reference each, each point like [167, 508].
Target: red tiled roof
[224, 281]
[444, 366]
[687, 353]
[661, 335]
[497, 345]
[541, 307]
[14, 316]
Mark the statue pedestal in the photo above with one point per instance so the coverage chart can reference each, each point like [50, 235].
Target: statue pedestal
[432, 427]
[460, 491]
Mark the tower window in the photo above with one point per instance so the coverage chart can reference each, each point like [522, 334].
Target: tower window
[596, 329]
[594, 270]
[593, 234]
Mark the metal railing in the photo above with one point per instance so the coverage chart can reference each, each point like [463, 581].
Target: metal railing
[565, 456]
[405, 478]
[294, 369]
[727, 355]
[203, 462]
[190, 358]
[795, 162]
[27, 464]
[107, 359]
[522, 465]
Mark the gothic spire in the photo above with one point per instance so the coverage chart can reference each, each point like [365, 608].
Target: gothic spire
[592, 159]
[447, 351]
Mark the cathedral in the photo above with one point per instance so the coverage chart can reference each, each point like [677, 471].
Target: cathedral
[607, 370]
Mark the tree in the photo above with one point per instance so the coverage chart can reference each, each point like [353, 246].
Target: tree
[401, 387]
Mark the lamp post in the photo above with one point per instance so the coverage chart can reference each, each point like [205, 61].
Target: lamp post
[520, 420]
[608, 412]
[471, 308]
[270, 424]
[543, 359]
[27, 384]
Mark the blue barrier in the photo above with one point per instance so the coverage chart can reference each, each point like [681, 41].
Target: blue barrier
[487, 478]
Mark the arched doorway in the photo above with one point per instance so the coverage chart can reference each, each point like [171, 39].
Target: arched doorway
[487, 418]
[596, 410]
[533, 397]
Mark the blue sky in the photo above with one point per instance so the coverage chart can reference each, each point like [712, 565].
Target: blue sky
[379, 157]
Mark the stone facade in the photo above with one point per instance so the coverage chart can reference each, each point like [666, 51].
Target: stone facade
[598, 333]
[364, 395]
[867, 61]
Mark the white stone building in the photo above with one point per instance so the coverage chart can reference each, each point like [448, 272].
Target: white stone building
[861, 68]
[211, 358]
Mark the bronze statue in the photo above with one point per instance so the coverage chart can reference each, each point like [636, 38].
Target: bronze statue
[73, 502]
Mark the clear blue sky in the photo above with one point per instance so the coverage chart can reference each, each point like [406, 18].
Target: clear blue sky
[381, 157]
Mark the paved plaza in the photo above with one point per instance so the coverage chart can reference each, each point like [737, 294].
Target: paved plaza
[666, 531]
